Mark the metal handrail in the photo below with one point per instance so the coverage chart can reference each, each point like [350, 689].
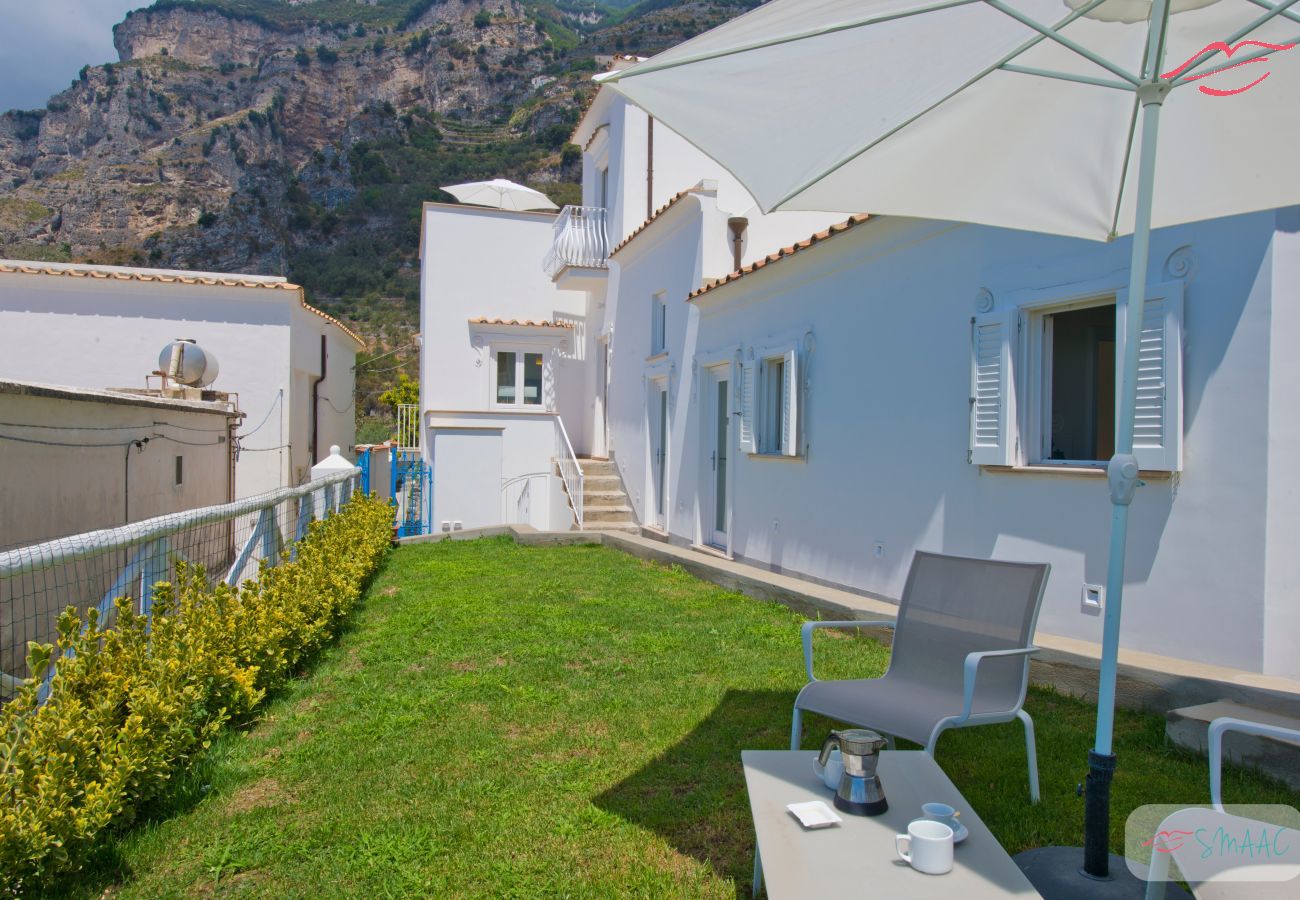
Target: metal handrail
[580, 239]
[570, 470]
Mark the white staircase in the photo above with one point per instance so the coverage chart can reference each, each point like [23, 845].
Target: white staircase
[604, 501]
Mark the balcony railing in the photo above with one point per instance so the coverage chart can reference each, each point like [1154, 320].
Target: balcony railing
[580, 240]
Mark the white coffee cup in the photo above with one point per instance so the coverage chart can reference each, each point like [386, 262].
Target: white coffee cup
[929, 846]
[831, 772]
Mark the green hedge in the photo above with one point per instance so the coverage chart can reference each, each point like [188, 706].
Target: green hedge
[131, 704]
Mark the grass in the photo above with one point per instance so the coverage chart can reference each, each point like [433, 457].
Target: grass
[511, 721]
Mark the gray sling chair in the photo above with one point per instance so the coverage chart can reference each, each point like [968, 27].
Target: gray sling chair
[958, 618]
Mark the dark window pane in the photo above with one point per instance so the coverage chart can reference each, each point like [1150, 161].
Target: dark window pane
[1082, 426]
[533, 379]
[505, 378]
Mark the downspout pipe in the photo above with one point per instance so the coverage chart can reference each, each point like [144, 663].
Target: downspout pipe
[737, 224]
[315, 401]
[650, 167]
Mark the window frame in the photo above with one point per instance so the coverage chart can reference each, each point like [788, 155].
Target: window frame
[521, 351]
[771, 439]
[658, 324]
[1035, 321]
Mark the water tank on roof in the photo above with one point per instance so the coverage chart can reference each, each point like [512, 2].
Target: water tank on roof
[185, 362]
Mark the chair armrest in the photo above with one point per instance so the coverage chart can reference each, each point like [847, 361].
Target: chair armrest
[971, 669]
[1215, 738]
[807, 634]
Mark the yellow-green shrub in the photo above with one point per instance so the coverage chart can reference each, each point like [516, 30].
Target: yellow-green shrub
[130, 704]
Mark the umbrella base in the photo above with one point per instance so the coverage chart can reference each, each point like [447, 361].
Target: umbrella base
[1057, 874]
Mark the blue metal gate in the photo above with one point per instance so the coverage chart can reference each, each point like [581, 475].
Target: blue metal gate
[412, 482]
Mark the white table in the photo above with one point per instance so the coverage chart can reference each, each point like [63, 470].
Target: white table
[857, 857]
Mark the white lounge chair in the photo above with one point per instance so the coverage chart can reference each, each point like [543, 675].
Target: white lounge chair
[1249, 882]
[959, 618]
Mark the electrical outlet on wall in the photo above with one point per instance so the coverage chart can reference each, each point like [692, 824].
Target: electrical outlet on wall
[446, 525]
[1094, 599]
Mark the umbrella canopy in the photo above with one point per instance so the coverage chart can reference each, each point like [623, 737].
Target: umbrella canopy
[500, 193]
[1041, 115]
[933, 109]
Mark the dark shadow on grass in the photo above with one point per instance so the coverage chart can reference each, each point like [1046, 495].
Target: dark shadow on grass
[693, 795]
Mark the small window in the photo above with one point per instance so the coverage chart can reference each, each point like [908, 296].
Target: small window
[1078, 385]
[769, 404]
[180, 470]
[773, 398]
[658, 324]
[518, 378]
[506, 377]
[533, 379]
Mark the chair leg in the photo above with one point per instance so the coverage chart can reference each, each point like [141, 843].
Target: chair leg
[1031, 752]
[796, 729]
[758, 872]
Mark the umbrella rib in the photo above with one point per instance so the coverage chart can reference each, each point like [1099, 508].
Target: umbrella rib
[1282, 9]
[1255, 54]
[1123, 174]
[1051, 34]
[1066, 76]
[1285, 12]
[647, 68]
[1024, 47]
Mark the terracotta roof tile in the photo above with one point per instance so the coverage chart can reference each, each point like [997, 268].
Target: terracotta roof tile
[105, 273]
[784, 252]
[519, 323]
[656, 214]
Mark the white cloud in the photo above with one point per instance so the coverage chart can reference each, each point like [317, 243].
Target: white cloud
[43, 44]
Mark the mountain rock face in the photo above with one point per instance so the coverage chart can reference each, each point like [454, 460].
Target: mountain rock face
[300, 137]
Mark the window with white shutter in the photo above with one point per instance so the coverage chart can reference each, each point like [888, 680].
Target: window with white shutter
[776, 425]
[1158, 418]
[746, 396]
[990, 408]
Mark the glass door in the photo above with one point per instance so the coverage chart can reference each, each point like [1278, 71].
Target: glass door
[720, 433]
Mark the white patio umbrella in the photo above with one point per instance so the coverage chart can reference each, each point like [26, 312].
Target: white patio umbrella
[1033, 114]
[500, 193]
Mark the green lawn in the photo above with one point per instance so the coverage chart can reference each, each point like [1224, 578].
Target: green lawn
[512, 721]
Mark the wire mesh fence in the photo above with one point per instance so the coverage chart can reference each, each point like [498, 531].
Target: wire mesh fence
[92, 570]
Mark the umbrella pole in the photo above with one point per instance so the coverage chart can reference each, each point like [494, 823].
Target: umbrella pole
[1122, 475]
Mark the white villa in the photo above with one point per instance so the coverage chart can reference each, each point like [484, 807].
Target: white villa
[823, 397]
[291, 365]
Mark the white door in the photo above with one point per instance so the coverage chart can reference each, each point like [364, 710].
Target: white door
[719, 433]
[658, 421]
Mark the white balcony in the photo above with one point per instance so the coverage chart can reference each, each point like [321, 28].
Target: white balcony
[580, 249]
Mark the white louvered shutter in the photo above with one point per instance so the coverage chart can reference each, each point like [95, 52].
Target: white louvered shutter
[747, 373]
[990, 413]
[1158, 418]
[790, 404]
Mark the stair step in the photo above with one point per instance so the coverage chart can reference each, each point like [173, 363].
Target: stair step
[604, 498]
[607, 514]
[624, 528]
[1189, 728]
[602, 483]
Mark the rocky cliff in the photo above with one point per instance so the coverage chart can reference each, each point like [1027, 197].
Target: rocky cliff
[300, 137]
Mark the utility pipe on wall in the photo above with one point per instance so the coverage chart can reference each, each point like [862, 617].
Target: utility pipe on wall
[315, 402]
[737, 224]
[650, 167]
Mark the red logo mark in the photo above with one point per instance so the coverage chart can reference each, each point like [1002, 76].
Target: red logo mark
[1168, 841]
[1220, 46]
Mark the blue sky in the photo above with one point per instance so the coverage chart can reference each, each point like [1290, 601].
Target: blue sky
[43, 44]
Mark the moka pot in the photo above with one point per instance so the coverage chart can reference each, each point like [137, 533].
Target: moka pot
[859, 793]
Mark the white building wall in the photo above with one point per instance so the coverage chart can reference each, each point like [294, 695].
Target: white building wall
[64, 468]
[487, 263]
[887, 413]
[105, 332]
